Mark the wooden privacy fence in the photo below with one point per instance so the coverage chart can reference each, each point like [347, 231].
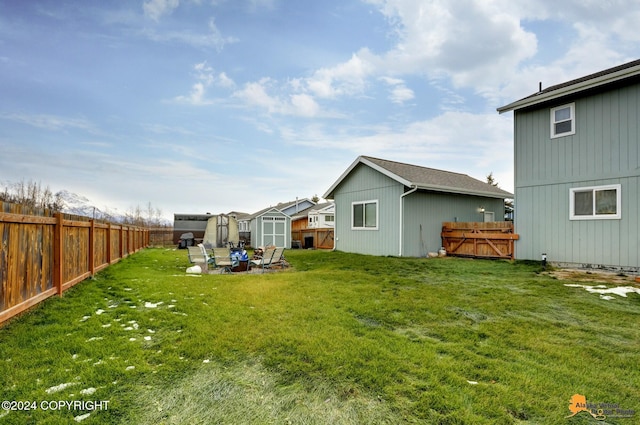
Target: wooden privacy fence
[483, 240]
[322, 238]
[42, 255]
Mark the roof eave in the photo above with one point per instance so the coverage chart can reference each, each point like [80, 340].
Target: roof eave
[448, 189]
[361, 160]
[572, 89]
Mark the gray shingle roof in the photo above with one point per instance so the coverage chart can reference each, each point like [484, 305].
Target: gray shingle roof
[597, 79]
[427, 178]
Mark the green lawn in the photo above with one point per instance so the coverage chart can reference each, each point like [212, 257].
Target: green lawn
[336, 339]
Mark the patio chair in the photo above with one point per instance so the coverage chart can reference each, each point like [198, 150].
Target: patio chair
[278, 259]
[221, 257]
[264, 261]
[198, 254]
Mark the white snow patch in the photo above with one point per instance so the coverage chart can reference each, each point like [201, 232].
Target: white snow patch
[84, 318]
[75, 356]
[58, 388]
[132, 339]
[621, 291]
[147, 338]
[88, 391]
[95, 338]
[130, 367]
[99, 311]
[81, 417]
[473, 382]
[108, 325]
[151, 331]
[206, 361]
[128, 328]
[152, 305]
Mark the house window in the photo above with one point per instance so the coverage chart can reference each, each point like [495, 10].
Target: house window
[329, 219]
[595, 203]
[563, 121]
[364, 215]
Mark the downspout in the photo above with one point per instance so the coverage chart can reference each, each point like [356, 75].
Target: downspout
[402, 217]
[335, 227]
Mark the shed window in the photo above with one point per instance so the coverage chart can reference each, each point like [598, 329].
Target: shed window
[591, 203]
[563, 121]
[364, 215]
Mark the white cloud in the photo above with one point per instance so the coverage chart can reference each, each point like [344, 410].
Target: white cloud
[348, 78]
[206, 77]
[196, 96]
[399, 92]
[155, 9]
[304, 105]
[213, 38]
[257, 94]
[51, 122]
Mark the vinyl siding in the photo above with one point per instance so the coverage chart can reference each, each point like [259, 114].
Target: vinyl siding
[426, 210]
[366, 184]
[424, 213]
[604, 150]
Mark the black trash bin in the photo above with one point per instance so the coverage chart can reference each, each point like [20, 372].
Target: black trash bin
[308, 242]
[186, 239]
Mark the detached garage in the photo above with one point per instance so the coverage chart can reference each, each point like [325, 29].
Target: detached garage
[390, 208]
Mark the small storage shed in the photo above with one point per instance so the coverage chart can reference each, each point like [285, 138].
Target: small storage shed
[270, 226]
[386, 207]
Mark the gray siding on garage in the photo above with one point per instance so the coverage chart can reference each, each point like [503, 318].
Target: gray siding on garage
[366, 184]
[422, 209]
[604, 150]
[426, 211]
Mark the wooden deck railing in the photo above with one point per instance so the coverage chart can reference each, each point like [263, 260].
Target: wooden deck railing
[44, 255]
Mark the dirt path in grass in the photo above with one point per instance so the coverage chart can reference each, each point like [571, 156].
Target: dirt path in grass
[593, 276]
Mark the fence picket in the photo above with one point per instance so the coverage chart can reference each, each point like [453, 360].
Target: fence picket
[41, 255]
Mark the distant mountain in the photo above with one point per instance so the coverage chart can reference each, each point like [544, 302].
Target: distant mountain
[76, 204]
[81, 205]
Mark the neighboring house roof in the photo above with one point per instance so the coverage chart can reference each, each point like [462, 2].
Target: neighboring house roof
[262, 212]
[280, 207]
[321, 207]
[302, 213]
[589, 82]
[424, 178]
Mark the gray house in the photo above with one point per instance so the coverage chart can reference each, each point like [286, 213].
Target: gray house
[577, 170]
[390, 208]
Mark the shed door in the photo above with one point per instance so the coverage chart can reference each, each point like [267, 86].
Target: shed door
[274, 231]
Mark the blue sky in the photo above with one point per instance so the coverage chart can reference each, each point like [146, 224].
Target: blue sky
[220, 105]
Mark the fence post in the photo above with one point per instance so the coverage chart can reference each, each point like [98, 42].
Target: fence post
[92, 247]
[58, 252]
[109, 243]
[121, 248]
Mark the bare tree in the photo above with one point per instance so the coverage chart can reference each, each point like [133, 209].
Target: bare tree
[33, 195]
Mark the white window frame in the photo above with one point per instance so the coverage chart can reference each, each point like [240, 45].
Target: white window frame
[594, 216]
[572, 118]
[364, 203]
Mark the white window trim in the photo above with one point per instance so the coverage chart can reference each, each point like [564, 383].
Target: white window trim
[372, 201]
[572, 108]
[617, 216]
